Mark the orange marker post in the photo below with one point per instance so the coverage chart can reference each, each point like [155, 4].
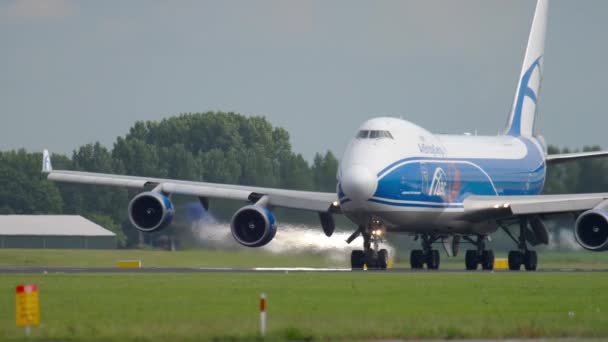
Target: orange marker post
[27, 309]
[262, 314]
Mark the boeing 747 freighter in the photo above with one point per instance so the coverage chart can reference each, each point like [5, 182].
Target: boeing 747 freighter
[399, 177]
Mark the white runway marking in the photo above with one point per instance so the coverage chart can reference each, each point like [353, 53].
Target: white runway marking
[301, 269]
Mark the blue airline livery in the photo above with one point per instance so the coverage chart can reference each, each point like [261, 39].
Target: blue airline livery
[399, 177]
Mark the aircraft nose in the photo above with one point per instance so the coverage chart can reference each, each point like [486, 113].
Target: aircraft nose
[358, 183]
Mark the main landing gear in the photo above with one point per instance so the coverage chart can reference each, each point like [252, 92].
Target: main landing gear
[480, 256]
[522, 256]
[427, 255]
[371, 256]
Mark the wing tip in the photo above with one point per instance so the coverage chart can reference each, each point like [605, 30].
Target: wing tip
[47, 167]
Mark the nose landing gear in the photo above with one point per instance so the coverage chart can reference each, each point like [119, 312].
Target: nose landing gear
[371, 256]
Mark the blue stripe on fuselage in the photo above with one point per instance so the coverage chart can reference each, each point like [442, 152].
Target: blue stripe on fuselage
[438, 180]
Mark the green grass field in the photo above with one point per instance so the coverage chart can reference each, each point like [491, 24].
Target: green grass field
[303, 306]
[158, 258]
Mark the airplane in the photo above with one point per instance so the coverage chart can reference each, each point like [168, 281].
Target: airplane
[396, 176]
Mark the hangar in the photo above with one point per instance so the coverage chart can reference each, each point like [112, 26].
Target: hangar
[53, 231]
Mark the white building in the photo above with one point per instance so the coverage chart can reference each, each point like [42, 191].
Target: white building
[53, 231]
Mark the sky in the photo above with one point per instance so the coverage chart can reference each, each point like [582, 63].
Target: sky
[75, 72]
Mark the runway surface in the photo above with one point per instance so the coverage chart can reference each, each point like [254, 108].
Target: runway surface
[55, 270]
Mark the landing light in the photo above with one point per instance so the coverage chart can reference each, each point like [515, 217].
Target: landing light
[335, 203]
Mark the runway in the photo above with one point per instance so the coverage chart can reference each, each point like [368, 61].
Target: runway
[60, 270]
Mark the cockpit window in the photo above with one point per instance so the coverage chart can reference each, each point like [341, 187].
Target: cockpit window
[387, 134]
[364, 134]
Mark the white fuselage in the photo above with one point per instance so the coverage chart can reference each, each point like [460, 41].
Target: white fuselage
[415, 181]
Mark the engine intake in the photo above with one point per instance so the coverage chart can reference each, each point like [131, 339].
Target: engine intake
[253, 226]
[150, 211]
[591, 229]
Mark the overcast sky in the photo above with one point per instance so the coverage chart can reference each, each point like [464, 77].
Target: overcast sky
[74, 72]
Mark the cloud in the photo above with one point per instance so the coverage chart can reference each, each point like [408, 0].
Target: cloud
[36, 9]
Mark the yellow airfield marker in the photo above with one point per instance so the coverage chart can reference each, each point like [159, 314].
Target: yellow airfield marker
[27, 310]
[129, 264]
[365, 267]
[389, 265]
[501, 264]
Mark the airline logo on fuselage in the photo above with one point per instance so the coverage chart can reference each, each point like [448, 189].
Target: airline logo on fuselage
[439, 184]
[430, 149]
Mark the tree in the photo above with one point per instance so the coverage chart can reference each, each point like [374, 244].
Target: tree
[108, 223]
[324, 171]
[24, 189]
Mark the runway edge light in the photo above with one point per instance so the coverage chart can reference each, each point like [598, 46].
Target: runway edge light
[27, 308]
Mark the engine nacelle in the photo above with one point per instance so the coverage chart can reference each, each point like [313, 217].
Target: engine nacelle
[591, 229]
[150, 211]
[253, 226]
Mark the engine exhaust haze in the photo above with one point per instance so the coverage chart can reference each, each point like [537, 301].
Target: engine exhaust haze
[290, 238]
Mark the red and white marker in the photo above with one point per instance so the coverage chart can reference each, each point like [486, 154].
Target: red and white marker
[262, 314]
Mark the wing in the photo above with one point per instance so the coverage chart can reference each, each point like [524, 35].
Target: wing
[305, 200]
[480, 208]
[560, 158]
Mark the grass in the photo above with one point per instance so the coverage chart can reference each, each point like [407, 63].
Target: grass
[370, 305]
[157, 258]
[254, 258]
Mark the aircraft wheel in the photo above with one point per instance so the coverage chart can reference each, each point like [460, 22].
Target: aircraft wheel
[530, 260]
[371, 259]
[382, 259]
[516, 259]
[417, 259]
[470, 260]
[433, 260]
[487, 260]
[357, 259]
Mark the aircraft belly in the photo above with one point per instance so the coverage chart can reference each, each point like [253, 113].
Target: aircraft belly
[423, 221]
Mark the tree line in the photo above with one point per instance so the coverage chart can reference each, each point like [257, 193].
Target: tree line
[212, 147]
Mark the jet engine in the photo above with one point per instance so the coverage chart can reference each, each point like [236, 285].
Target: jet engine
[591, 228]
[150, 211]
[253, 226]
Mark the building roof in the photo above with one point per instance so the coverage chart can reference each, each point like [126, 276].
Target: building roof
[62, 225]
